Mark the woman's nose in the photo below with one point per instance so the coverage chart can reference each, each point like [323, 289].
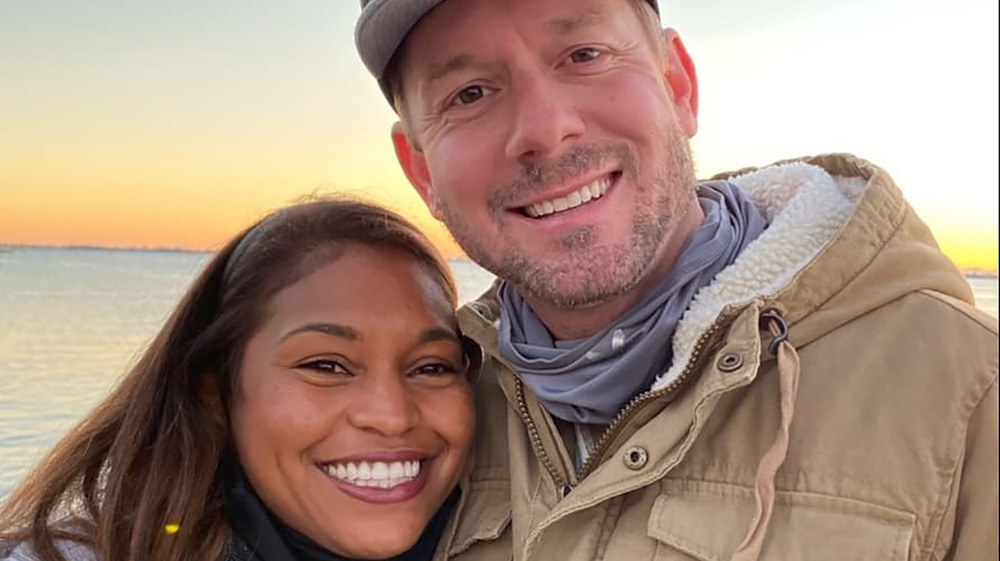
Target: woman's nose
[386, 405]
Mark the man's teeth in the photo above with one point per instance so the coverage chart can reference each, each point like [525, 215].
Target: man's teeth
[585, 194]
[374, 474]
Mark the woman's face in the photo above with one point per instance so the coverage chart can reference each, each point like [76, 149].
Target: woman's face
[352, 415]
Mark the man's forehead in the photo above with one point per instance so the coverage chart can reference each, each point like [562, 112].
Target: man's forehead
[556, 16]
[588, 16]
[443, 40]
[448, 41]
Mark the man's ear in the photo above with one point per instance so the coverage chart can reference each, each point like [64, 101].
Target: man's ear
[414, 166]
[682, 81]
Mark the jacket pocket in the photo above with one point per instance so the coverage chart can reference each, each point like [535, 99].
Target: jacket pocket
[706, 521]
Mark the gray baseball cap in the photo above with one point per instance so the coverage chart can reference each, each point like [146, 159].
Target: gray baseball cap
[384, 24]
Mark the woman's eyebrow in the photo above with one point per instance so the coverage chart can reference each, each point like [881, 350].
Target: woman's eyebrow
[332, 329]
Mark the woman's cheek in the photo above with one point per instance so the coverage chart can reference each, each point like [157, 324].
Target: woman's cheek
[453, 414]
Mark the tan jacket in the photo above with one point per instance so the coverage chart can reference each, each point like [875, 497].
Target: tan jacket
[872, 436]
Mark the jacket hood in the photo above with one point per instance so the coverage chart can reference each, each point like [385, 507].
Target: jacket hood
[841, 241]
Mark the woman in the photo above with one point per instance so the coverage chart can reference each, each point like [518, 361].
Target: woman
[308, 399]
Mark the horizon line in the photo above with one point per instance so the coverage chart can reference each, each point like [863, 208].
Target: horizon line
[151, 249]
[973, 272]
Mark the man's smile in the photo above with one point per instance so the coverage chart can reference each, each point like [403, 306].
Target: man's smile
[581, 196]
[550, 204]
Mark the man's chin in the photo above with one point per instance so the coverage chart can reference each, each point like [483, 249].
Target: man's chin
[576, 287]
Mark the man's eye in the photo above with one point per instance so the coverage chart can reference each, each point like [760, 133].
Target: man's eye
[469, 94]
[586, 54]
[324, 366]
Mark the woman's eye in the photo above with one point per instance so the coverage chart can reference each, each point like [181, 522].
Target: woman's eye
[586, 54]
[325, 366]
[436, 369]
[469, 94]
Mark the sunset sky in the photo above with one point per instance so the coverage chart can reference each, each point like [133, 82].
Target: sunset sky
[177, 123]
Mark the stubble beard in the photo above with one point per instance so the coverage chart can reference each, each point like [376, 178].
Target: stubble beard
[588, 275]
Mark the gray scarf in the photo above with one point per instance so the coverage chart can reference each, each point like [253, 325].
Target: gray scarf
[589, 380]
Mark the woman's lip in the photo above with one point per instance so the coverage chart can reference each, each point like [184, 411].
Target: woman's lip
[381, 456]
[377, 495]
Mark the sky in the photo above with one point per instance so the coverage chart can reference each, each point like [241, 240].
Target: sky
[175, 124]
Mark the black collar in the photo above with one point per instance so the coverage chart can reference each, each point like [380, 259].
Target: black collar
[271, 540]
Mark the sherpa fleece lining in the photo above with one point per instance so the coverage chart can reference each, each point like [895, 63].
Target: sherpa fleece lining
[804, 207]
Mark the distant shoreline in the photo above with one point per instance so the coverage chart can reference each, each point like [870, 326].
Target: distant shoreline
[11, 246]
[975, 274]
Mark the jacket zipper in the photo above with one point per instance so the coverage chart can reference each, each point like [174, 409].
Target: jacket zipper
[529, 423]
[536, 441]
[646, 397]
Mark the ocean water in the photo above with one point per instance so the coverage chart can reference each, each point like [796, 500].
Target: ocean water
[73, 320]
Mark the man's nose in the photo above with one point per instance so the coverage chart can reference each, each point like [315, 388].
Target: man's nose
[544, 118]
[386, 405]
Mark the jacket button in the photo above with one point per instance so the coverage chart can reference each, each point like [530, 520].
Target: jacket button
[635, 457]
[730, 362]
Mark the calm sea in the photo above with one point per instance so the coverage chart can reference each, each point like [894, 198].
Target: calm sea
[74, 319]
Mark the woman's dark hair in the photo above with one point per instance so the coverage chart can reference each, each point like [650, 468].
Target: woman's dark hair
[143, 476]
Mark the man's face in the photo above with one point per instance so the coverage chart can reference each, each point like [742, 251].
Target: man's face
[551, 139]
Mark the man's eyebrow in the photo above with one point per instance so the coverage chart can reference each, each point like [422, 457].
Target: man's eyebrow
[453, 64]
[332, 329]
[579, 20]
[437, 334]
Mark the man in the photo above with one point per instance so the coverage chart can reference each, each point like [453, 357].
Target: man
[778, 364]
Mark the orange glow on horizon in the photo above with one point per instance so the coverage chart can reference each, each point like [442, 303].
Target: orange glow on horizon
[203, 223]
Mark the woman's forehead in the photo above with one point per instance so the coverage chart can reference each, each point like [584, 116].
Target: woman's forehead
[365, 286]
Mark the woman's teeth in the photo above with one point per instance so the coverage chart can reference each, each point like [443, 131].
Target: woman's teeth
[374, 474]
[581, 196]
